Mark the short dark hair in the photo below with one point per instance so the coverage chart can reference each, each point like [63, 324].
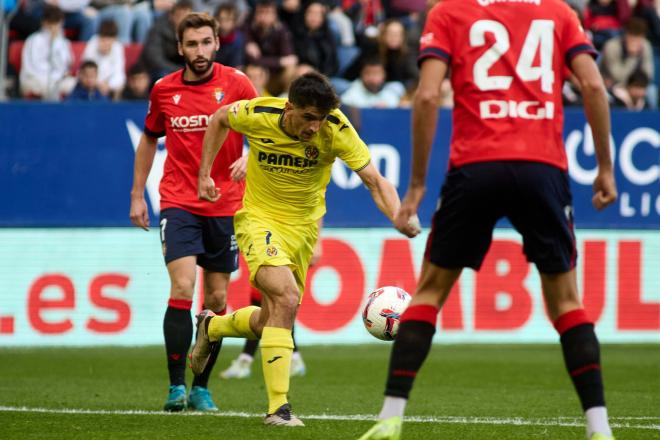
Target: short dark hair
[197, 20]
[265, 4]
[372, 60]
[88, 64]
[638, 78]
[636, 26]
[226, 7]
[182, 4]
[313, 90]
[137, 69]
[52, 14]
[108, 28]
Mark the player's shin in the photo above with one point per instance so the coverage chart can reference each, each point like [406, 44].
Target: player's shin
[236, 325]
[582, 358]
[177, 330]
[276, 351]
[411, 347]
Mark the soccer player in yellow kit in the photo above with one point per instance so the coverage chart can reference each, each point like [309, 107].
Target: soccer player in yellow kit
[293, 144]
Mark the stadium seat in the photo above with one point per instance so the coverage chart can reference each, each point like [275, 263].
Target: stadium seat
[77, 47]
[14, 54]
[132, 52]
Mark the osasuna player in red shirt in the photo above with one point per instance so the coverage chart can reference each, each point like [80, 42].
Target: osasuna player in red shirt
[192, 232]
[506, 58]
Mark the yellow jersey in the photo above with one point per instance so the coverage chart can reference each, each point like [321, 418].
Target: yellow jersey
[287, 177]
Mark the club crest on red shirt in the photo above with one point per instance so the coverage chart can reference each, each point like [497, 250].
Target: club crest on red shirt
[218, 94]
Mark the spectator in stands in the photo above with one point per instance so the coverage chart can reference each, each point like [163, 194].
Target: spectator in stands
[269, 43]
[626, 54]
[342, 28]
[78, 16]
[87, 87]
[258, 74]
[371, 90]
[605, 19]
[291, 14]
[108, 54]
[400, 60]
[46, 59]
[26, 21]
[132, 18]
[315, 44]
[137, 84]
[649, 11]
[634, 95]
[161, 54]
[232, 39]
[366, 16]
[210, 6]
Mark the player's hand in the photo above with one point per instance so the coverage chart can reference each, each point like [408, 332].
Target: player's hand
[406, 220]
[206, 189]
[605, 192]
[238, 170]
[139, 213]
[252, 50]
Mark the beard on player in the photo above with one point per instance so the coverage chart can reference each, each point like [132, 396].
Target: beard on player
[200, 65]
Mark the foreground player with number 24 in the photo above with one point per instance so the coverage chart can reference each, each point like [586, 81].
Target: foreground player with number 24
[507, 61]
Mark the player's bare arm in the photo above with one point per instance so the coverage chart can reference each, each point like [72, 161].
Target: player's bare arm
[424, 121]
[385, 196]
[144, 158]
[215, 136]
[238, 169]
[597, 112]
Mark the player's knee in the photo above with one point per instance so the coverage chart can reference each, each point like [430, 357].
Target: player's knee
[288, 299]
[215, 300]
[182, 288]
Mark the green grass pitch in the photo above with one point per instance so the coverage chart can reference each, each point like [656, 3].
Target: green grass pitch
[463, 392]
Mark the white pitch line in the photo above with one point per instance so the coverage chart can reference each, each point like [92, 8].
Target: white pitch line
[618, 422]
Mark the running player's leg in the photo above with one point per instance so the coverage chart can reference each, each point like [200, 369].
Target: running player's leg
[580, 347]
[281, 296]
[215, 299]
[219, 259]
[545, 220]
[460, 237]
[241, 367]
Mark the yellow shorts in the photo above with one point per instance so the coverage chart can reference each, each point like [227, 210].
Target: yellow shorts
[271, 242]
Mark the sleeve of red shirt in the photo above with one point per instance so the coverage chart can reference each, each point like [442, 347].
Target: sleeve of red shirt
[249, 91]
[574, 41]
[435, 42]
[154, 122]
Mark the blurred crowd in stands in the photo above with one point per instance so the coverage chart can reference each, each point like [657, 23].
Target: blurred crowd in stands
[115, 49]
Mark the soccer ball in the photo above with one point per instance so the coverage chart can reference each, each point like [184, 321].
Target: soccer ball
[381, 314]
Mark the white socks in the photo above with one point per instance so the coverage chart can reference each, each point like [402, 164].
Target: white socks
[393, 406]
[296, 356]
[245, 358]
[597, 421]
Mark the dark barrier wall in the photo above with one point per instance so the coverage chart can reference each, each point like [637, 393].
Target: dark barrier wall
[72, 164]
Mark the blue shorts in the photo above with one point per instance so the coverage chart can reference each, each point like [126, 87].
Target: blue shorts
[211, 239]
[536, 199]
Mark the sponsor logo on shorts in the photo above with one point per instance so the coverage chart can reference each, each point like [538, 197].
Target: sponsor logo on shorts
[271, 251]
